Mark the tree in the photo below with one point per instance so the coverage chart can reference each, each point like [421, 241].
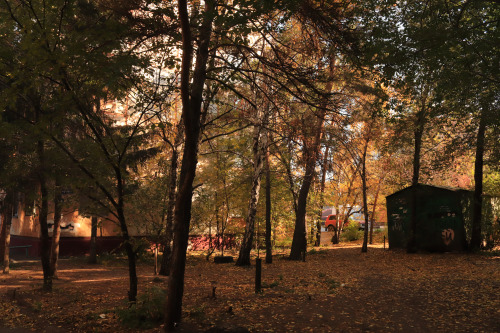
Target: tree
[368, 136]
[319, 22]
[93, 241]
[171, 192]
[448, 51]
[9, 179]
[83, 62]
[258, 162]
[56, 231]
[216, 23]
[259, 150]
[269, 246]
[7, 207]
[191, 97]
[474, 52]
[345, 168]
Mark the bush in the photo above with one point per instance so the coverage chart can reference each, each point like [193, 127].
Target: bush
[142, 247]
[112, 259]
[147, 312]
[283, 243]
[351, 232]
[379, 234]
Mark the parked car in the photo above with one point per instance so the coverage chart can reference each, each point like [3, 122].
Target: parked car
[331, 222]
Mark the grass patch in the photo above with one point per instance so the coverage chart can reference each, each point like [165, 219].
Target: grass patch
[270, 285]
[491, 253]
[37, 306]
[332, 284]
[197, 312]
[318, 252]
[112, 260]
[147, 312]
[15, 265]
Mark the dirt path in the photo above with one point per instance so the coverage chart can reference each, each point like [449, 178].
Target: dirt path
[335, 290]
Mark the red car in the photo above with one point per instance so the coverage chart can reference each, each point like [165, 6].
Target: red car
[331, 222]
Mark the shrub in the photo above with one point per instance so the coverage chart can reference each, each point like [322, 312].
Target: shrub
[197, 312]
[379, 234]
[270, 285]
[112, 259]
[142, 247]
[147, 312]
[351, 232]
[283, 243]
[332, 284]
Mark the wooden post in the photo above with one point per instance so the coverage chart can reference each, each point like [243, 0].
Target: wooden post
[384, 242]
[156, 260]
[304, 256]
[258, 275]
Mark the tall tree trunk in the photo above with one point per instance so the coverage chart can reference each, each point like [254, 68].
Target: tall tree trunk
[269, 247]
[172, 182]
[299, 241]
[418, 133]
[191, 96]
[129, 249]
[347, 213]
[475, 242]
[225, 216]
[3, 215]
[322, 197]
[364, 248]
[6, 224]
[217, 221]
[373, 211]
[336, 230]
[317, 242]
[131, 256]
[42, 218]
[291, 182]
[132, 293]
[93, 240]
[167, 252]
[258, 158]
[93, 219]
[56, 231]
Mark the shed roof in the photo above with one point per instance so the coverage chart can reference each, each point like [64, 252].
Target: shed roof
[445, 188]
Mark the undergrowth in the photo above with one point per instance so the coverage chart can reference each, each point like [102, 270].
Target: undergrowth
[147, 312]
[351, 232]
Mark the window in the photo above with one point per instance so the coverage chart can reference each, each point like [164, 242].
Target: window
[29, 207]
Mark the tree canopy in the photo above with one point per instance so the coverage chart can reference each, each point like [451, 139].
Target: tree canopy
[165, 115]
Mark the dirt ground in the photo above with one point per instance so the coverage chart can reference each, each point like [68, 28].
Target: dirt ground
[337, 289]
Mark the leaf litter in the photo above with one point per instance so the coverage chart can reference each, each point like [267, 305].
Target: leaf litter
[337, 289]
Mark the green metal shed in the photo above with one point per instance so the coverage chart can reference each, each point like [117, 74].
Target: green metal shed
[440, 217]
